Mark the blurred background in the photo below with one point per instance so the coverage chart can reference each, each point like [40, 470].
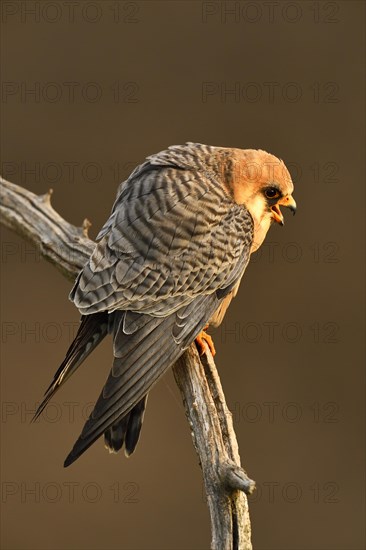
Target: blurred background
[89, 90]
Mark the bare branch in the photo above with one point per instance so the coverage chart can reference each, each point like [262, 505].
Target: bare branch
[33, 217]
[226, 483]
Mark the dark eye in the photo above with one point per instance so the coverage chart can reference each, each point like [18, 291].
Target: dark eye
[272, 193]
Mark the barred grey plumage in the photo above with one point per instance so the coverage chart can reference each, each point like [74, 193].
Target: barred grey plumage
[169, 260]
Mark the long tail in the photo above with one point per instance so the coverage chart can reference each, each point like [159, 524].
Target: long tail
[93, 328]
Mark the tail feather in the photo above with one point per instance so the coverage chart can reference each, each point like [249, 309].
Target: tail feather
[114, 437]
[126, 430]
[92, 330]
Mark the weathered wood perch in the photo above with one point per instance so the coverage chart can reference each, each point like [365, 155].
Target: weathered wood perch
[226, 482]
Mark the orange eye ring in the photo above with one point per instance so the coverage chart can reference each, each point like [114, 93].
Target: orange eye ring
[272, 193]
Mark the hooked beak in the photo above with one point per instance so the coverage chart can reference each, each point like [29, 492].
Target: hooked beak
[287, 201]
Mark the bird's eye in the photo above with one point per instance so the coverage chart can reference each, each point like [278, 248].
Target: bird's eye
[272, 193]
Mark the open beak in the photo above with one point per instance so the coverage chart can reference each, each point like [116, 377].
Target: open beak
[287, 201]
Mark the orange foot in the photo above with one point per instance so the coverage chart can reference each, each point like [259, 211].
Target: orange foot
[202, 339]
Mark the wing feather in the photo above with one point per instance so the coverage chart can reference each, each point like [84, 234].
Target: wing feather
[133, 374]
[173, 234]
[172, 251]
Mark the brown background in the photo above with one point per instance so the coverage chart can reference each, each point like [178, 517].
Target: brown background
[297, 392]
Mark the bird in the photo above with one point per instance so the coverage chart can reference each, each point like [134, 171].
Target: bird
[168, 262]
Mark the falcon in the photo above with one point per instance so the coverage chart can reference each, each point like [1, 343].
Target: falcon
[168, 262]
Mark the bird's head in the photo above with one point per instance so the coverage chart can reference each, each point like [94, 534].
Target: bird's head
[261, 182]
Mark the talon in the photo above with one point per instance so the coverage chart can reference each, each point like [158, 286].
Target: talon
[201, 340]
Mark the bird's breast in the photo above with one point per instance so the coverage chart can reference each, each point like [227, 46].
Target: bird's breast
[260, 232]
